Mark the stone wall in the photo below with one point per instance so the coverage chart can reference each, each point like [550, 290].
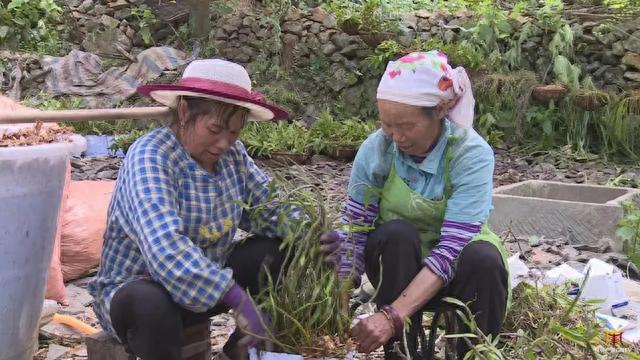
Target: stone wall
[610, 54]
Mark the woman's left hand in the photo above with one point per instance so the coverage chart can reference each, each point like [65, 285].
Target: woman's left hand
[372, 332]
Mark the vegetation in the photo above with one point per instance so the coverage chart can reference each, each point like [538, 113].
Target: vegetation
[306, 303]
[629, 231]
[329, 134]
[31, 25]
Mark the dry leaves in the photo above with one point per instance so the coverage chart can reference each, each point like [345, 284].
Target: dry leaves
[35, 136]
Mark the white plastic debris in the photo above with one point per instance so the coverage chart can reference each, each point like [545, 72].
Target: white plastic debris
[517, 269]
[605, 282]
[267, 355]
[561, 274]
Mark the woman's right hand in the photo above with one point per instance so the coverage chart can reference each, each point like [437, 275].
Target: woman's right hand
[250, 320]
[329, 244]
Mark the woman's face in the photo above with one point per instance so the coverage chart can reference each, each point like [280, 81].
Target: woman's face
[409, 126]
[209, 138]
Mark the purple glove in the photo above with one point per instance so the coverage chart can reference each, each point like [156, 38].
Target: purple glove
[329, 244]
[251, 321]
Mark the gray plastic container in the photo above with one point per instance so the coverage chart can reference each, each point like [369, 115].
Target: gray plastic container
[31, 184]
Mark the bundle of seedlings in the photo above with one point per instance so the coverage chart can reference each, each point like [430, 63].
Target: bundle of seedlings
[306, 304]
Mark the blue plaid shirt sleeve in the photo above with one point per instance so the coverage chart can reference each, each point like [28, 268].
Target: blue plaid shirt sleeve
[273, 218]
[193, 281]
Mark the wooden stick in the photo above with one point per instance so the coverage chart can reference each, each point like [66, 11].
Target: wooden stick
[84, 115]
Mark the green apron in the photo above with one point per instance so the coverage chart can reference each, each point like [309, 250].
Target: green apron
[399, 201]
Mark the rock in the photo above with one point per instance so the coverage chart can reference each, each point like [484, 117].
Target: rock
[634, 76]
[350, 51]
[244, 31]
[49, 308]
[618, 48]
[330, 22]
[293, 14]
[292, 27]
[78, 296]
[109, 22]
[107, 175]
[329, 49]
[61, 334]
[632, 59]
[423, 14]
[324, 37]
[609, 58]
[449, 36]
[342, 77]
[131, 34]
[633, 42]
[248, 21]
[106, 42]
[228, 28]
[315, 28]
[405, 40]
[119, 4]
[342, 40]
[74, 3]
[56, 352]
[592, 248]
[318, 14]
[122, 13]
[82, 352]
[102, 10]
[86, 6]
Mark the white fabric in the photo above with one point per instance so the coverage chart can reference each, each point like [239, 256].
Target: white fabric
[426, 79]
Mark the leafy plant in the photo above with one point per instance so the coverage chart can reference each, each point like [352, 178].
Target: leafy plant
[366, 15]
[123, 142]
[329, 134]
[30, 25]
[629, 230]
[262, 139]
[306, 302]
[146, 20]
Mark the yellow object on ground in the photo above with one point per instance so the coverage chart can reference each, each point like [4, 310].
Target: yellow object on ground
[75, 324]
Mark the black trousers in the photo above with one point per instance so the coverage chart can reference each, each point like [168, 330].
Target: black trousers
[480, 278]
[149, 323]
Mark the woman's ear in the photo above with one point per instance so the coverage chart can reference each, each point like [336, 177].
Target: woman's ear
[183, 112]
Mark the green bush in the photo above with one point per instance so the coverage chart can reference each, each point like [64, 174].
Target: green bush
[30, 25]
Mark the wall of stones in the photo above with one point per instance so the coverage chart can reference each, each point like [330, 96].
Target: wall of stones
[610, 54]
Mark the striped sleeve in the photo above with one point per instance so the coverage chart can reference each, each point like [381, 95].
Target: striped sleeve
[453, 238]
[357, 220]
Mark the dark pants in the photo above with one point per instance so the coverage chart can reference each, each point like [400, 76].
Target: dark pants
[480, 278]
[149, 323]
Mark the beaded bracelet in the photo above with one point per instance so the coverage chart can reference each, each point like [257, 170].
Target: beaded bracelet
[398, 324]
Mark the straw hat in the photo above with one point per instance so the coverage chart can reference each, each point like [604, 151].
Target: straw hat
[218, 80]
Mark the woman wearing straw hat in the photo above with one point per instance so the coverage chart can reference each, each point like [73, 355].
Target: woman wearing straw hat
[419, 199]
[169, 258]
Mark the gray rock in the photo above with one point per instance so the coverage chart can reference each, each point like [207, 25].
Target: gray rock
[244, 31]
[329, 49]
[248, 21]
[633, 42]
[122, 13]
[634, 76]
[342, 40]
[292, 27]
[82, 352]
[107, 175]
[86, 6]
[449, 35]
[609, 58]
[247, 51]
[106, 42]
[618, 48]
[324, 36]
[293, 14]
[78, 296]
[315, 28]
[350, 51]
[109, 22]
[342, 77]
[74, 3]
[405, 40]
[228, 28]
[243, 38]
[61, 334]
[330, 22]
[49, 307]
[56, 352]
[102, 10]
[632, 59]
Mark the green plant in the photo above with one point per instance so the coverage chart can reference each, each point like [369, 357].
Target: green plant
[629, 231]
[30, 25]
[365, 15]
[329, 134]
[262, 139]
[123, 142]
[146, 20]
[306, 302]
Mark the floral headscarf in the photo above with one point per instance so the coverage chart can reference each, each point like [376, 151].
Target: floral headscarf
[426, 79]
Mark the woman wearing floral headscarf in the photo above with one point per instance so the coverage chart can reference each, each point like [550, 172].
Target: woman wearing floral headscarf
[419, 199]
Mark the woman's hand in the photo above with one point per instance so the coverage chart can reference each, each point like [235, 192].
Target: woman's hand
[372, 332]
[251, 321]
[329, 244]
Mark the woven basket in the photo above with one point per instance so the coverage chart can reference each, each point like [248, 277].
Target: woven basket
[592, 100]
[548, 93]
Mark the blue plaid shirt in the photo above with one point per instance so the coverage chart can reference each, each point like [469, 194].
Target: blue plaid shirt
[171, 221]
